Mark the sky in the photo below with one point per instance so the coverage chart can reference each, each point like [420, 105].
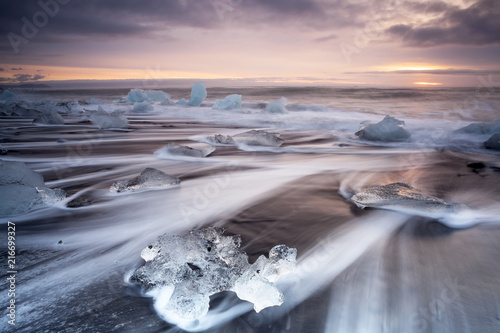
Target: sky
[253, 42]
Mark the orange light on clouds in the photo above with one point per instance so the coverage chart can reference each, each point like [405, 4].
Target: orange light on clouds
[428, 83]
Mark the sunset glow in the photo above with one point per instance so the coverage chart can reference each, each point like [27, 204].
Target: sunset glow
[428, 83]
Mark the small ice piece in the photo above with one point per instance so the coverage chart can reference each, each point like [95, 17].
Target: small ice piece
[182, 102]
[256, 284]
[388, 130]
[401, 196]
[278, 106]
[182, 272]
[493, 142]
[136, 95]
[228, 103]
[176, 149]
[149, 178]
[157, 95]
[491, 127]
[22, 189]
[198, 94]
[51, 118]
[220, 139]
[142, 107]
[259, 138]
[105, 120]
[7, 96]
[94, 101]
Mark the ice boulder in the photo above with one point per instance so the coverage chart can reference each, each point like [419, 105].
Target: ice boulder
[388, 130]
[182, 272]
[136, 95]
[481, 128]
[7, 96]
[22, 189]
[401, 196]
[51, 118]
[198, 94]
[173, 149]
[182, 102]
[220, 139]
[259, 138]
[277, 106]
[149, 178]
[142, 107]
[228, 103]
[105, 120]
[94, 101]
[493, 142]
[157, 95]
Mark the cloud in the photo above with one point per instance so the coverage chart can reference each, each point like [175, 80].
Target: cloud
[1, 69]
[24, 78]
[326, 38]
[475, 25]
[16, 69]
[449, 71]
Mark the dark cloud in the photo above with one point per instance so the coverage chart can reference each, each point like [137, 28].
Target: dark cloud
[16, 69]
[449, 71]
[1, 69]
[25, 78]
[478, 24]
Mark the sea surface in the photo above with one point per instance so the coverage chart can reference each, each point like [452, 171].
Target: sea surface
[357, 270]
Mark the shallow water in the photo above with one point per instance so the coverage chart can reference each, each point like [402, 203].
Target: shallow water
[358, 270]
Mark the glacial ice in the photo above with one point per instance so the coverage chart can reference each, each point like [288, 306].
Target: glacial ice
[157, 95]
[178, 150]
[49, 118]
[142, 107]
[402, 196]
[228, 103]
[389, 130]
[136, 95]
[7, 96]
[277, 106]
[149, 178]
[198, 94]
[182, 272]
[259, 138]
[182, 102]
[105, 120]
[94, 101]
[491, 127]
[22, 189]
[220, 139]
[493, 142]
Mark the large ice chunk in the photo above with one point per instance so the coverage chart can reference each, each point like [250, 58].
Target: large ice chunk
[178, 150]
[105, 120]
[142, 107]
[401, 196]
[220, 139]
[182, 272]
[7, 95]
[157, 95]
[229, 102]
[389, 129]
[278, 106]
[259, 138]
[493, 142]
[49, 118]
[198, 94]
[482, 128]
[22, 189]
[149, 178]
[136, 95]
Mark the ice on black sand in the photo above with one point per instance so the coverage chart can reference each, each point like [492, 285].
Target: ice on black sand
[105, 120]
[401, 196]
[22, 189]
[198, 94]
[251, 138]
[149, 178]
[228, 103]
[389, 129]
[173, 149]
[182, 272]
[277, 106]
